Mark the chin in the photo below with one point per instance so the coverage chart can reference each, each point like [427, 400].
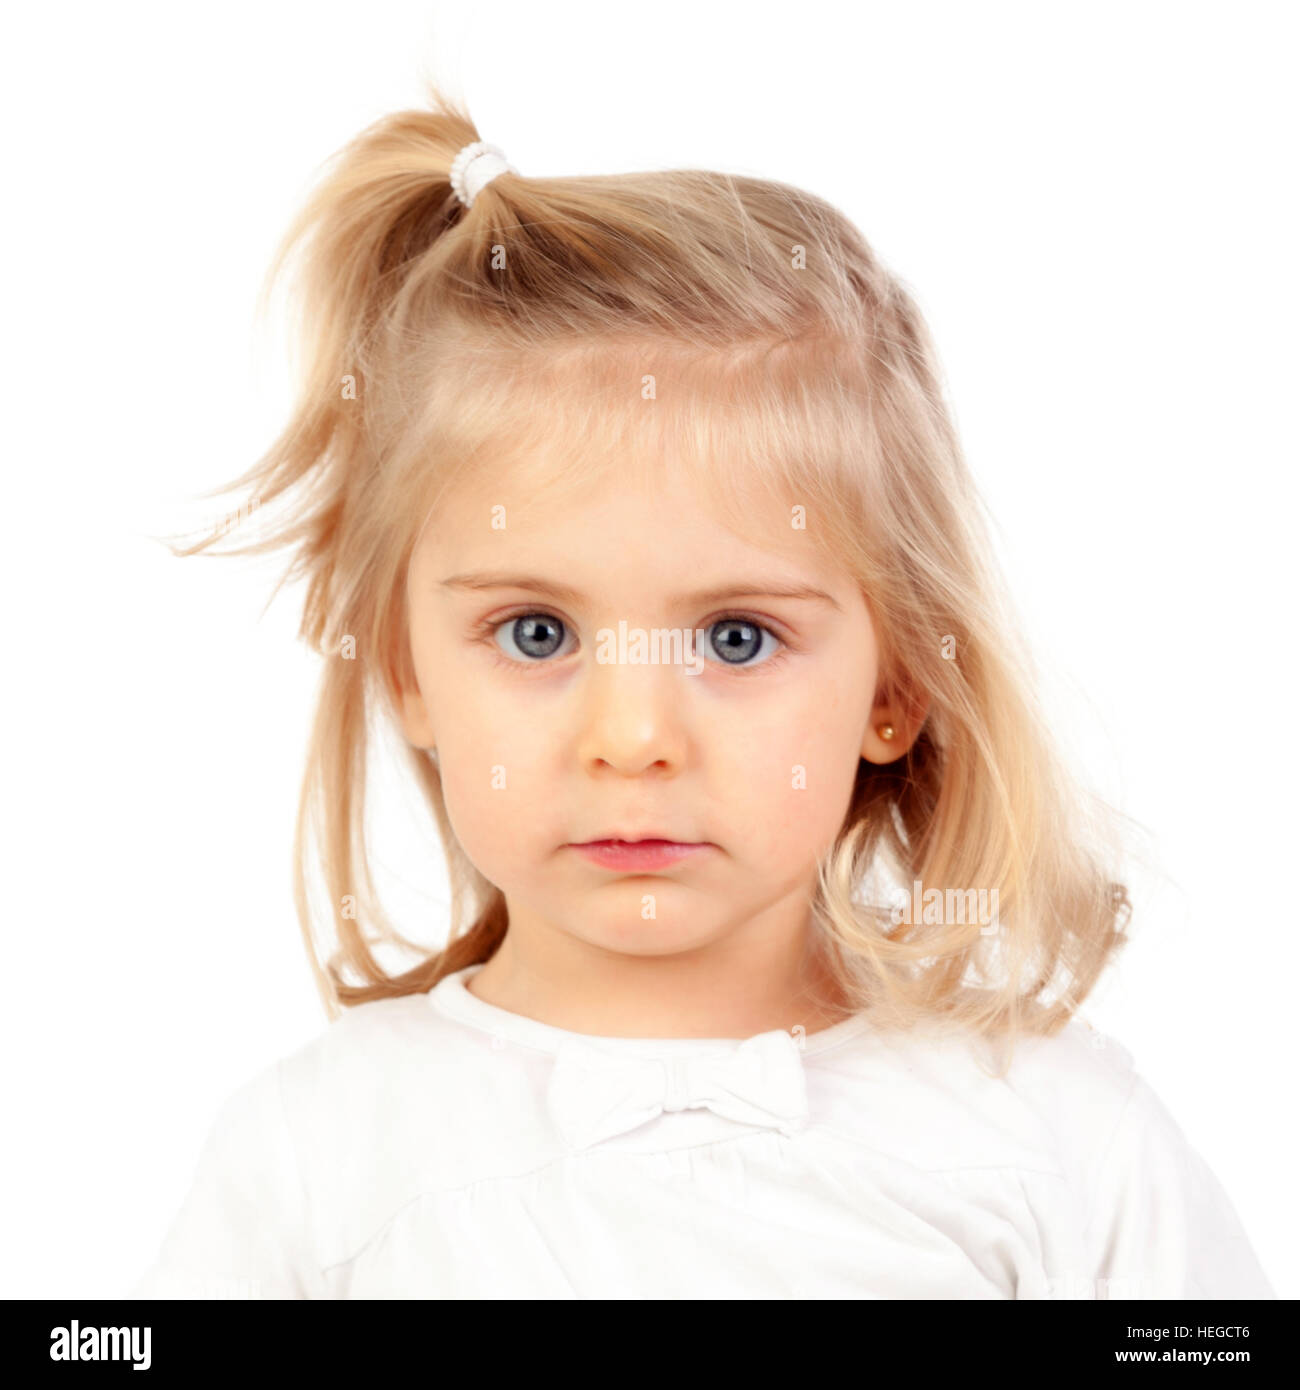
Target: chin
[630, 936]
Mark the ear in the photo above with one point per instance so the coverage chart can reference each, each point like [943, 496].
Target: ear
[415, 721]
[408, 702]
[901, 715]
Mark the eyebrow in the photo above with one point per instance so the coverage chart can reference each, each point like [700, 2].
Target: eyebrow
[564, 593]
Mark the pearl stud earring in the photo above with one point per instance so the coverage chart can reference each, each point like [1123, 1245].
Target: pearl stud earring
[886, 732]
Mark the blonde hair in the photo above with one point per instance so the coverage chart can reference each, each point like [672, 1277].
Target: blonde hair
[792, 370]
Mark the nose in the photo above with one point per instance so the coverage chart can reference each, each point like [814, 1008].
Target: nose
[632, 719]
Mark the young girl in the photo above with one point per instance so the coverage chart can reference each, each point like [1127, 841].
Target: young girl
[633, 505]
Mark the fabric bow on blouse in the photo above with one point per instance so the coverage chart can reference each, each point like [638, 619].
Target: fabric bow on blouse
[595, 1093]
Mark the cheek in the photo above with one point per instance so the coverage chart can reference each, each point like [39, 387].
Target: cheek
[787, 776]
[494, 784]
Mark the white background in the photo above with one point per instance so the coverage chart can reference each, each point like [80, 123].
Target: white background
[1094, 205]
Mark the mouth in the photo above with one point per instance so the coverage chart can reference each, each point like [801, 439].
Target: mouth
[642, 855]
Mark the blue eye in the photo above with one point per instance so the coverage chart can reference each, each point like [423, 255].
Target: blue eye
[538, 635]
[533, 638]
[736, 640]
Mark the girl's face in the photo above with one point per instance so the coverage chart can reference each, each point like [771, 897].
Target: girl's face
[546, 739]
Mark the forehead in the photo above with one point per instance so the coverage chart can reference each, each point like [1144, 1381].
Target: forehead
[609, 453]
[612, 515]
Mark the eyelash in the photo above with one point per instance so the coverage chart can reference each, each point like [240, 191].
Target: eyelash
[486, 631]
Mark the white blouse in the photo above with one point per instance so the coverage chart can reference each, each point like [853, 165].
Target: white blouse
[438, 1146]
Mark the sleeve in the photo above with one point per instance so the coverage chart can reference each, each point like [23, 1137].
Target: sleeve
[1160, 1224]
[242, 1230]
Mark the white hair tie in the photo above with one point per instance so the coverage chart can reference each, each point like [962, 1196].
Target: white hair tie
[475, 167]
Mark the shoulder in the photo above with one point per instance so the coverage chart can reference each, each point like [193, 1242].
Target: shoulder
[379, 1107]
[371, 1063]
[1082, 1085]
[1079, 1079]
[386, 1063]
[944, 1101]
[1157, 1219]
[1105, 1167]
[397, 1030]
[320, 1148]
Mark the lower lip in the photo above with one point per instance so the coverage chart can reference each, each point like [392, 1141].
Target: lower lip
[644, 855]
